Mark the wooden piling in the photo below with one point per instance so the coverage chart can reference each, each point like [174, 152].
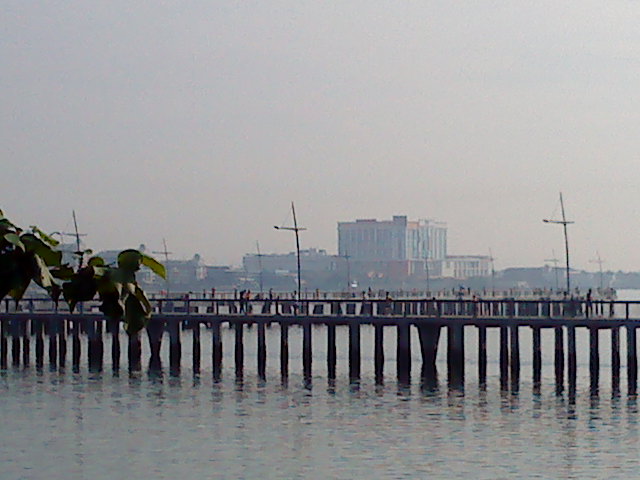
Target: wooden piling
[26, 344]
[53, 344]
[155, 330]
[514, 358]
[262, 352]
[75, 345]
[378, 353]
[216, 351]
[331, 351]
[594, 360]
[403, 352]
[239, 350]
[114, 329]
[196, 347]
[37, 329]
[284, 350]
[96, 346]
[559, 359]
[4, 346]
[615, 360]
[455, 356]
[537, 359]
[632, 361]
[63, 327]
[135, 352]
[15, 341]
[306, 351]
[175, 346]
[572, 364]
[354, 351]
[482, 356]
[504, 358]
[429, 336]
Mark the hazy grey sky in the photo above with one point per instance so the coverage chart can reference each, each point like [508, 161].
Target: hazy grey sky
[200, 121]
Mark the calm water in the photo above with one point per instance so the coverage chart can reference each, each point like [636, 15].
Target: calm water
[76, 426]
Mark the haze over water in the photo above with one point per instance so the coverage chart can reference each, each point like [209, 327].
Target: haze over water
[76, 426]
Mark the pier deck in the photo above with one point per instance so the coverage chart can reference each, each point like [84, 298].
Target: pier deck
[32, 321]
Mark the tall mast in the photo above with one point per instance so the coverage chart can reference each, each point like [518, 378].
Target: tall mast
[564, 222]
[599, 261]
[166, 254]
[259, 265]
[297, 230]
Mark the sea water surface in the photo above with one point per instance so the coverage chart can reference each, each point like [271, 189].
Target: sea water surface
[60, 424]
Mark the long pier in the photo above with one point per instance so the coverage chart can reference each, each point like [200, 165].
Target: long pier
[39, 326]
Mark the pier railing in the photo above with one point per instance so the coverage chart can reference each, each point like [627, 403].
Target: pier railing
[39, 323]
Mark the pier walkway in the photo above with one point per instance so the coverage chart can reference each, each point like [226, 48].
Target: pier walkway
[33, 321]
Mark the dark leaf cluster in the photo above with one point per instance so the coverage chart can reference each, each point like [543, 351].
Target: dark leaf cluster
[27, 256]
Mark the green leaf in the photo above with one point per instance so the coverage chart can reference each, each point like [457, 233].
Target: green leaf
[135, 317]
[14, 239]
[155, 266]
[20, 285]
[96, 262]
[130, 260]
[45, 237]
[33, 244]
[42, 276]
[6, 225]
[63, 272]
[144, 301]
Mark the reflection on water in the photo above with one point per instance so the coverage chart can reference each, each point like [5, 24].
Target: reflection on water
[66, 425]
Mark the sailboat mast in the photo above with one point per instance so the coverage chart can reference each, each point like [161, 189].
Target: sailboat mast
[296, 230]
[259, 265]
[566, 244]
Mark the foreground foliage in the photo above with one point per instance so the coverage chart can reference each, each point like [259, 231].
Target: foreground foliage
[31, 255]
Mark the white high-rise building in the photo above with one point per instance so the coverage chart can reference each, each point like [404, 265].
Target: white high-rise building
[395, 247]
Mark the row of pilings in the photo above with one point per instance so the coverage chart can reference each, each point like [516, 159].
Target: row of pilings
[23, 336]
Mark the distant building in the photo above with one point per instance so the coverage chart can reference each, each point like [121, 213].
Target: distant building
[311, 260]
[393, 248]
[466, 266]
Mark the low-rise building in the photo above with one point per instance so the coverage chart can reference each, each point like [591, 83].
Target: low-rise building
[466, 266]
